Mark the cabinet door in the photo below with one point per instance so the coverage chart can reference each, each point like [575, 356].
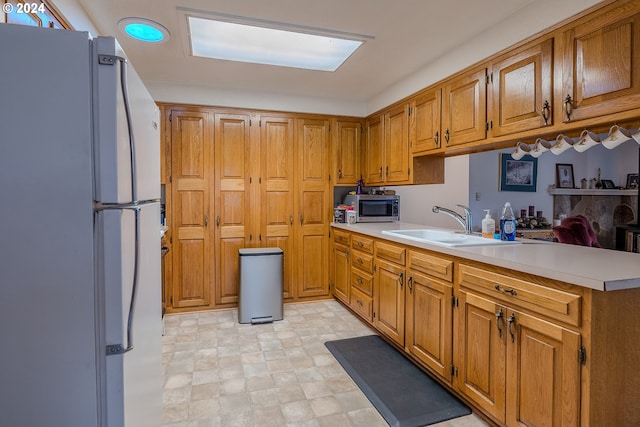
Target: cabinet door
[389, 300]
[277, 192]
[601, 71]
[429, 323]
[480, 353]
[314, 211]
[425, 122]
[522, 90]
[543, 373]
[341, 273]
[373, 152]
[233, 222]
[191, 255]
[347, 152]
[396, 145]
[464, 109]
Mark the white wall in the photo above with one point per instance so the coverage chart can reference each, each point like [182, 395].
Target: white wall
[416, 201]
[484, 175]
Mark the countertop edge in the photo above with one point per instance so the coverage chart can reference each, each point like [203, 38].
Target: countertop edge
[587, 268]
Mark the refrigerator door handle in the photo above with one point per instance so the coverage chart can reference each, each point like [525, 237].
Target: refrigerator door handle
[135, 207]
[113, 60]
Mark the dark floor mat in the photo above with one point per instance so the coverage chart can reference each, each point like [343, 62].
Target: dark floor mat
[403, 394]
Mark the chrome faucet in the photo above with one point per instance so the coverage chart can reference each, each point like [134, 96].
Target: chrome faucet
[466, 222]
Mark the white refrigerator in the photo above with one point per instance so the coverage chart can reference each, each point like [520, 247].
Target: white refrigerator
[80, 303]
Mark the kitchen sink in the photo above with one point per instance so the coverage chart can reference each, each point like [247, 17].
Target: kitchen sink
[446, 238]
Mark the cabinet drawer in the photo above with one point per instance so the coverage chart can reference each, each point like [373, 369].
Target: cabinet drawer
[362, 281]
[362, 243]
[432, 265]
[342, 237]
[556, 304]
[362, 304]
[391, 253]
[362, 261]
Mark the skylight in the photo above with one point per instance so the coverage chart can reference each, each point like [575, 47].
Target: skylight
[271, 45]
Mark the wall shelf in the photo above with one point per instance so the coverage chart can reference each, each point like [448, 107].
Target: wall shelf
[592, 192]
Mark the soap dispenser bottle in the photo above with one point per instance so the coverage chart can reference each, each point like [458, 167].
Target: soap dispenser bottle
[488, 225]
[507, 223]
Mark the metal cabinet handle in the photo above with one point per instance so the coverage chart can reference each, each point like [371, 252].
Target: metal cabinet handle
[360, 244]
[447, 137]
[346, 254]
[387, 171]
[500, 289]
[499, 316]
[546, 112]
[401, 279]
[291, 219]
[436, 139]
[360, 261]
[360, 280]
[410, 283]
[339, 173]
[206, 220]
[218, 221]
[301, 219]
[512, 321]
[568, 107]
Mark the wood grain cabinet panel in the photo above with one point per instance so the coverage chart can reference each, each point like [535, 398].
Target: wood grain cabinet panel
[522, 90]
[233, 222]
[374, 151]
[347, 146]
[601, 69]
[313, 208]
[389, 299]
[341, 273]
[426, 134]
[192, 250]
[464, 108]
[396, 145]
[276, 192]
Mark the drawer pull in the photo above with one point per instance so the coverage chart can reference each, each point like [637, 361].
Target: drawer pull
[359, 302]
[512, 321]
[499, 316]
[360, 280]
[506, 291]
[360, 244]
[360, 261]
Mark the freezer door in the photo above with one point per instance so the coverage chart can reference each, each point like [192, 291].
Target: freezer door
[113, 123]
[132, 380]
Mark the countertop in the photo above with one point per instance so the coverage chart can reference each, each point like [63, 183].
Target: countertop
[595, 268]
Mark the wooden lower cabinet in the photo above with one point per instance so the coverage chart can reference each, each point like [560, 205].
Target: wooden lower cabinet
[341, 272]
[428, 322]
[388, 291]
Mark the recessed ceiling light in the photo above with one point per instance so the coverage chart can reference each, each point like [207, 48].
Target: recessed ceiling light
[264, 42]
[144, 30]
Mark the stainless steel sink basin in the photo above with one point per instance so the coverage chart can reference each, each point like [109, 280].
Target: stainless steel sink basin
[446, 238]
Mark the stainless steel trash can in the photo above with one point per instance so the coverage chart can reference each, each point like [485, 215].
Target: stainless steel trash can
[260, 288]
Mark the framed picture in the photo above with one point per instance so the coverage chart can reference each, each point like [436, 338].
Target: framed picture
[608, 184]
[633, 180]
[564, 175]
[518, 175]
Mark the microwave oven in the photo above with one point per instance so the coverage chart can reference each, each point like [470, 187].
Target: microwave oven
[374, 208]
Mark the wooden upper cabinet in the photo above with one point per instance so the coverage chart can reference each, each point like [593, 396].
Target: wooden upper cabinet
[396, 145]
[191, 254]
[601, 68]
[276, 198]
[464, 108]
[426, 113]
[373, 152]
[522, 90]
[347, 146]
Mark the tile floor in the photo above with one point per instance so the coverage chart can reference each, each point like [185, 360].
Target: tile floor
[221, 373]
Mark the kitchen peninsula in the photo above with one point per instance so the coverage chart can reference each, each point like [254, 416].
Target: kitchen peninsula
[535, 332]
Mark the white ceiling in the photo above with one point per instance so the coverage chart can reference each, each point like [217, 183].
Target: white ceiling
[409, 35]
